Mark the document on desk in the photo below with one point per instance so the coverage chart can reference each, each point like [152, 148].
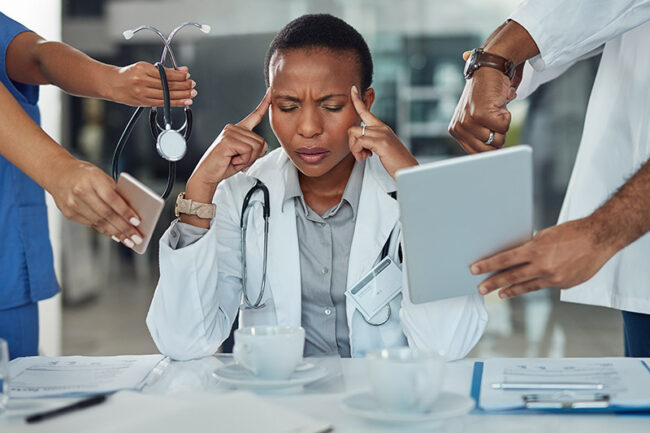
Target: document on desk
[625, 380]
[41, 376]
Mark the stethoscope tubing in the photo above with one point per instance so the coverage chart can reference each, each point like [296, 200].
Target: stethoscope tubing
[266, 213]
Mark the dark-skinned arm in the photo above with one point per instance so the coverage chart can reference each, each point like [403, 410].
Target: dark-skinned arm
[568, 254]
[32, 60]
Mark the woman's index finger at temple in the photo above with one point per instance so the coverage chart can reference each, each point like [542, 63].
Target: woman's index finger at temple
[253, 119]
[366, 116]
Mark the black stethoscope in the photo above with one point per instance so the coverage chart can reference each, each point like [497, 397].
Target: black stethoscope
[266, 212]
[171, 143]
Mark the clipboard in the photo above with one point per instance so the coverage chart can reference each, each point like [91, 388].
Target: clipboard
[560, 403]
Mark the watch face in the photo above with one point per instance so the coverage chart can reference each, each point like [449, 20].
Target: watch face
[470, 63]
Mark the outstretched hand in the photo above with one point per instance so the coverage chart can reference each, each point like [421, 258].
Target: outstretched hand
[139, 85]
[561, 256]
[377, 137]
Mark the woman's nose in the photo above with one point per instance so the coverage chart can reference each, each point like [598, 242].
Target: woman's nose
[309, 123]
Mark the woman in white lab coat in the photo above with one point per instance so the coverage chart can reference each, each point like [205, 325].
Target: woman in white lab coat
[311, 67]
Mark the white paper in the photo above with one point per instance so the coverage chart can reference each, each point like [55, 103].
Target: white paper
[626, 380]
[132, 412]
[40, 376]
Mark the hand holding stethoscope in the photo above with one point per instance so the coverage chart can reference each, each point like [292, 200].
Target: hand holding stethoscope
[235, 149]
[374, 136]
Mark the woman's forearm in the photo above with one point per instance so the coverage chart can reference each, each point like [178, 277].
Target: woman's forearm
[26, 145]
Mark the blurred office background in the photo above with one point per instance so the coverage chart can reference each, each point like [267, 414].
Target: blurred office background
[417, 47]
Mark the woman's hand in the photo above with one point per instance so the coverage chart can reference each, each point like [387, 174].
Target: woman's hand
[234, 150]
[139, 85]
[378, 138]
[87, 195]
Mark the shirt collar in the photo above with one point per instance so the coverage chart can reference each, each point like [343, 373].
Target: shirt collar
[351, 194]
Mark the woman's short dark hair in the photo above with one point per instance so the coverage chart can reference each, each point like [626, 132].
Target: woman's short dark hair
[322, 31]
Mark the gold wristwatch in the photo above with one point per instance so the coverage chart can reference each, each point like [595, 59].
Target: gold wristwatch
[191, 207]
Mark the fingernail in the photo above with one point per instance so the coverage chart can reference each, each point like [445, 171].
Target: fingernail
[474, 269]
[134, 221]
[188, 102]
[128, 243]
[187, 76]
[482, 290]
[116, 239]
[193, 84]
[137, 239]
[355, 90]
[503, 295]
[193, 93]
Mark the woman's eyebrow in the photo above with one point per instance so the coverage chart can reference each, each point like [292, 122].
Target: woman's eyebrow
[335, 95]
[321, 99]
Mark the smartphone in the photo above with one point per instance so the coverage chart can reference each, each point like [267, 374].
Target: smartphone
[146, 203]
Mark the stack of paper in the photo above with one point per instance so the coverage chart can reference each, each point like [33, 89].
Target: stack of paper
[41, 376]
[625, 380]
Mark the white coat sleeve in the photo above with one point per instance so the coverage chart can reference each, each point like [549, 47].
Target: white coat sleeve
[199, 290]
[568, 30]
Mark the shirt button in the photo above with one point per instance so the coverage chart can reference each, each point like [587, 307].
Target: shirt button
[325, 270]
[328, 311]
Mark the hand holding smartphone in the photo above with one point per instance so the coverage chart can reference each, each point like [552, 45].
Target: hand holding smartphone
[145, 202]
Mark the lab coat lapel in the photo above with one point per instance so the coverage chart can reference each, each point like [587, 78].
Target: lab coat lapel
[283, 270]
[376, 217]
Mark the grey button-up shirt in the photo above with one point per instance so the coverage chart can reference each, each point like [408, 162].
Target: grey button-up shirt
[324, 243]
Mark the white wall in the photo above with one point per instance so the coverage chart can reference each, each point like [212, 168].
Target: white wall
[44, 17]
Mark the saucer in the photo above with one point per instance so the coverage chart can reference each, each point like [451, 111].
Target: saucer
[237, 375]
[448, 405]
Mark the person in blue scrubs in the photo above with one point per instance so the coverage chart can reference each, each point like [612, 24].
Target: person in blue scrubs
[31, 161]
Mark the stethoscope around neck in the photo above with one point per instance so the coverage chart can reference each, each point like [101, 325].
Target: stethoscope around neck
[383, 315]
[171, 143]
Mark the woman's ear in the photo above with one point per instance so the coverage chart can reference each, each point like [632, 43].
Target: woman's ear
[369, 97]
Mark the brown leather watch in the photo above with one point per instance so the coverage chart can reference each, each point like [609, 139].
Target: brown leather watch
[191, 207]
[479, 58]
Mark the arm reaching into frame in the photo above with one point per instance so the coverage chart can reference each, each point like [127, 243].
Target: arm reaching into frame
[32, 60]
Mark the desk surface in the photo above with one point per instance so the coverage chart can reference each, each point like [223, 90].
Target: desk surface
[322, 401]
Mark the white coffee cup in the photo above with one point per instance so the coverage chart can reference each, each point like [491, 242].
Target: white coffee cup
[269, 352]
[405, 379]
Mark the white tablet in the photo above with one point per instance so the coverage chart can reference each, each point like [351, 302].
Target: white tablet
[460, 210]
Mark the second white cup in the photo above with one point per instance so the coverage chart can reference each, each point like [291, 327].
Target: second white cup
[406, 380]
[269, 352]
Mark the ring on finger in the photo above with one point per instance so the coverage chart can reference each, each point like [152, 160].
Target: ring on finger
[363, 129]
[490, 140]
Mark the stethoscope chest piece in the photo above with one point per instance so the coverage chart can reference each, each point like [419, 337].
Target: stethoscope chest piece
[171, 145]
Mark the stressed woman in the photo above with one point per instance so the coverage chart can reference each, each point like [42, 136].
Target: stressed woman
[330, 192]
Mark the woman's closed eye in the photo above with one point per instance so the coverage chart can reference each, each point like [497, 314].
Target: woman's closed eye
[287, 108]
[333, 107]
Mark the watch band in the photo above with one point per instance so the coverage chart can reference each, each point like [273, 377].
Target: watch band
[479, 58]
[191, 207]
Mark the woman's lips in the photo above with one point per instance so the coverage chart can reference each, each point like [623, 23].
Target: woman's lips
[312, 155]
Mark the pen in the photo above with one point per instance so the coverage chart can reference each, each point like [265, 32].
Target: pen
[547, 385]
[81, 404]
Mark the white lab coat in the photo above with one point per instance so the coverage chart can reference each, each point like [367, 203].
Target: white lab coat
[199, 291]
[616, 138]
